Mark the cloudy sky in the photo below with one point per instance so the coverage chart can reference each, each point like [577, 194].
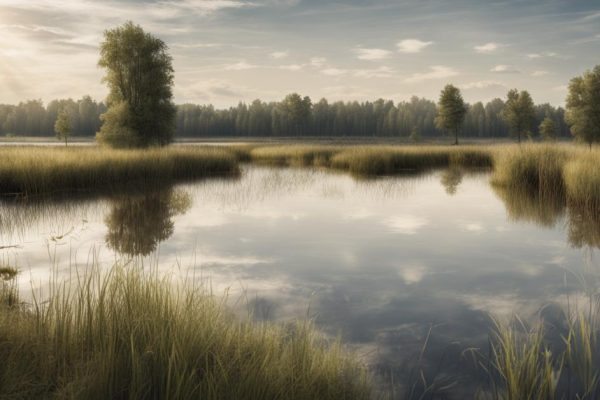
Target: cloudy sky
[226, 51]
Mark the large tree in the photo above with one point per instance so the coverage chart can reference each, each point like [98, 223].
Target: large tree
[583, 106]
[519, 113]
[139, 74]
[451, 111]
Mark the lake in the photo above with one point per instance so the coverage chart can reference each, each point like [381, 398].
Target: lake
[405, 270]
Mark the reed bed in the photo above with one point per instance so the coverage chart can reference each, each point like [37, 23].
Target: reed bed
[525, 364]
[294, 155]
[34, 171]
[127, 334]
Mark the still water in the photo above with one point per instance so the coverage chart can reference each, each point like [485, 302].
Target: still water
[406, 270]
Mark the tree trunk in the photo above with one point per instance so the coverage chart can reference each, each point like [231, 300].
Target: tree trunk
[456, 137]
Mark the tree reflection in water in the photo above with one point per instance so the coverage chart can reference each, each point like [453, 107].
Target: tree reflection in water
[137, 223]
[451, 178]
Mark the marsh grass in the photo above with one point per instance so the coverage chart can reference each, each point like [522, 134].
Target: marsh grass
[526, 364]
[127, 334]
[31, 171]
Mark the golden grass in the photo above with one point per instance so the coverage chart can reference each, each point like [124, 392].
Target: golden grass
[36, 170]
[127, 334]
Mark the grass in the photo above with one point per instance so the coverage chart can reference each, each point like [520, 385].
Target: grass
[32, 171]
[127, 334]
[525, 364]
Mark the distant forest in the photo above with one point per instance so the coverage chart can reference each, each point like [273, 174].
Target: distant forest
[293, 116]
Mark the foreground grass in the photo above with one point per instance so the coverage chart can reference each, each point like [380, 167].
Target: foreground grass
[34, 171]
[125, 335]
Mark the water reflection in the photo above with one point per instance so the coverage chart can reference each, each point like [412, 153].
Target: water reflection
[584, 227]
[451, 178]
[377, 262]
[137, 223]
[545, 210]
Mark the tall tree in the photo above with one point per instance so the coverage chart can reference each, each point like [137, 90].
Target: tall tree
[62, 126]
[519, 113]
[548, 129]
[297, 111]
[139, 74]
[583, 106]
[451, 110]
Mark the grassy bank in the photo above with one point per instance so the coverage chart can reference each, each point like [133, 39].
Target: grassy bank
[34, 170]
[127, 335]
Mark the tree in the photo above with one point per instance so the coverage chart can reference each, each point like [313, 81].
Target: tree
[519, 113]
[62, 126]
[297, 111]
[451, 111]
[583, 106]
[548, 129]
[139, 74]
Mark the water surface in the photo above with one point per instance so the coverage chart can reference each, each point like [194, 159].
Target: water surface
[387, 264]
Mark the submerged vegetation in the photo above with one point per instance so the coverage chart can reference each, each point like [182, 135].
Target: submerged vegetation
[128, 334]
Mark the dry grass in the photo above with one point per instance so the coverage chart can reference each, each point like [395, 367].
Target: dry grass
[35, 170]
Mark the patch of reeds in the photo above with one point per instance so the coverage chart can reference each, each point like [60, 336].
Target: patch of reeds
[294, 155]
[127, 334]
[367, 161]
[32, 171]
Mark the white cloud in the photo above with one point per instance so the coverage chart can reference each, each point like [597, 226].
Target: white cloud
[372, 54]
[482, 85]
[539, 73]
[436, 72]
[544, 54]
[318, 62]
[381, 72]
[412, 45]
[505, 69]
[292, 67]
[240, 66]
[279, 54]
[488, 47]
[334, 71]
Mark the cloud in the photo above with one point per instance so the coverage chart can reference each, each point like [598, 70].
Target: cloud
[505, 69]
[334, 71]
[240, 66]
[482, 85]
[412, 45]
[279, 54]
[539, 73]
[372, 54]
[488, 47]
[317, 62]
[436, 72]
[381, 72]
[544, 54]
[292, 67]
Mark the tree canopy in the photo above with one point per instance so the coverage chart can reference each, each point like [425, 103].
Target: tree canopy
[519, 113]
[139, 75]
[547, 129]
[62, 126]
[583, 106]
[451, 110]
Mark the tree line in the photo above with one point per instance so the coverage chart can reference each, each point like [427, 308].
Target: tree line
[293, 116]
[139, 110]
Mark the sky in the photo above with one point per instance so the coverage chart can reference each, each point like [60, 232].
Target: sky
[227, 51]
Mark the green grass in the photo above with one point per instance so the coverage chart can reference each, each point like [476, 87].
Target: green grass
[31, 171]
[134, 335]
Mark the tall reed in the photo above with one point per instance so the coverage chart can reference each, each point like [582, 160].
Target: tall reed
[127, 334]
[34, 171]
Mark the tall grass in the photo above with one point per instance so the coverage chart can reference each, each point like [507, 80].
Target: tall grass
[133, 335]
[35, 171]
[526, 364]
